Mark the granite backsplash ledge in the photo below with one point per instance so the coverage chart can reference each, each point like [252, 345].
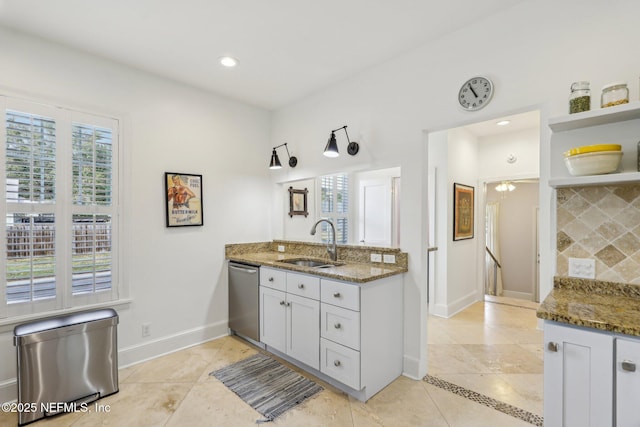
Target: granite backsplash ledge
[346, 253]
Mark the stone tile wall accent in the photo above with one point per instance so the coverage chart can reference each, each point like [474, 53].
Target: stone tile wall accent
[603, 223]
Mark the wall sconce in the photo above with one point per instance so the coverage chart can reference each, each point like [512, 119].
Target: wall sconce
[331, 149]
[275, 161]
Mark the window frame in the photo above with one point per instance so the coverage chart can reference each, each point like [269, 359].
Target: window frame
[64, 209]
[334, 215]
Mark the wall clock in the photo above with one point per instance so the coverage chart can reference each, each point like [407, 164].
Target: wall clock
[475, 93]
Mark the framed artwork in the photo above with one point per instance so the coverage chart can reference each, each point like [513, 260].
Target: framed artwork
[463, 204]
[183, 197]
[298, 202]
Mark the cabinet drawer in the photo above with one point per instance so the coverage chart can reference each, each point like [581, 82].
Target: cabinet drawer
[340, 363]
[303, 285]
[340, 325]
[340, 294]
[272, 278]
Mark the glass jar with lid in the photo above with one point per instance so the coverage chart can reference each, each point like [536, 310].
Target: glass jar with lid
[580, 97]
[615, 93]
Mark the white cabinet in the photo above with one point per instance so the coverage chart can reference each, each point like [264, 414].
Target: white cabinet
[578, 377]
[627, 373]
[349, 334]
[290, 323]
[612, 125]
[591, 378]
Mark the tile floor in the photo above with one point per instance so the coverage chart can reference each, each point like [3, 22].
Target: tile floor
[493, 349]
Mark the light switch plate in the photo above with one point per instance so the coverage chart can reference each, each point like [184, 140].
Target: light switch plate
[280, 248]
[376, 257]
[389, 258]
[583, 268]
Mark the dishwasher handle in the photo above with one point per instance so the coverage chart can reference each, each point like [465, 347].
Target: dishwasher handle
[246, 270]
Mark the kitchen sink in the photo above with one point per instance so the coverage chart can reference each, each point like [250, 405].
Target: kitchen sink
[311, 263]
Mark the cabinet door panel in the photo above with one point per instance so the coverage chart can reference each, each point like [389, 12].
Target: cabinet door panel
[578, 377]
[627, 383]
[272, 318]
[303, 340]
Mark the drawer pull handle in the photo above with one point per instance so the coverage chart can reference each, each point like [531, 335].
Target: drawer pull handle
[628, 365]
[300, 285]
[337, 326]
[552, 346]
[287, 304]
[282, 302]
[336, 363]
[336, 295]
[271, 279]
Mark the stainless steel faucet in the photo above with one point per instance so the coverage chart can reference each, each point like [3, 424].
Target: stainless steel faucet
[333, 250]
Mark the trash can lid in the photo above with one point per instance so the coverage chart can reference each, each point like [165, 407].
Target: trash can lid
[65, 320]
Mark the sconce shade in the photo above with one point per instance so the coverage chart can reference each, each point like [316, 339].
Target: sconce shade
[275, 161]
[331, 149]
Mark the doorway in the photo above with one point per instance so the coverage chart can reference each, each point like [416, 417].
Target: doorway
[511, 243]
[506, 148]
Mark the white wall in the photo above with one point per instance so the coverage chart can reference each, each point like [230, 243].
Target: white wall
[462, 255]
[298, 227]
[532, 51]
[177, 276]
[494, 150]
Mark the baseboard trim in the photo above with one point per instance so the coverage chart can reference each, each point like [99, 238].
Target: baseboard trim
[145, 351]
[519, 295]
[411, 368]
[150, 350]
[455, 307]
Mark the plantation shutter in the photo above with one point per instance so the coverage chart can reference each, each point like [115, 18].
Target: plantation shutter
[92, 251]
[30, 194]
[334, 206]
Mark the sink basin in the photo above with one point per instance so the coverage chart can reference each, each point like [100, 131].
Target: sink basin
[311, 263]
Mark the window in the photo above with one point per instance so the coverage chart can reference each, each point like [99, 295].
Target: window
[60, 178]
[334, 206]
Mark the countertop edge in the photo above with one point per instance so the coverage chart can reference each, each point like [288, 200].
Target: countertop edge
[329, 273]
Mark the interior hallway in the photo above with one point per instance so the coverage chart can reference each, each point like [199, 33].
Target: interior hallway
[490, 348]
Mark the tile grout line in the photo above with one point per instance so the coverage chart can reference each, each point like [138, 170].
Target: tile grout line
[482, 399]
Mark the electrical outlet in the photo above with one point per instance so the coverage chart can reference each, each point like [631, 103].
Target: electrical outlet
[584, 268]
[280, 248]
[389, 258]
[146, 329]
[376, 257]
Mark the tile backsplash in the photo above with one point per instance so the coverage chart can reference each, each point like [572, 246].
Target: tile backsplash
[601, 223]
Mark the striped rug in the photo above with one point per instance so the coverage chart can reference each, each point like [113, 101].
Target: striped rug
[266, 385]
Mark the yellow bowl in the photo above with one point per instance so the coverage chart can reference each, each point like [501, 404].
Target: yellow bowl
[592, 149]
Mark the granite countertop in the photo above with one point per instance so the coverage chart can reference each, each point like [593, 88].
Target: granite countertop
[608, 306]
[349, 271]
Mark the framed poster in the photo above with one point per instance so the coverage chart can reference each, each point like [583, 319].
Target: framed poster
[298, 202]
[183, 196]
[463, 204]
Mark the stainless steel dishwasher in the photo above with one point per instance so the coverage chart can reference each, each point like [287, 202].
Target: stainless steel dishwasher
[244, 300]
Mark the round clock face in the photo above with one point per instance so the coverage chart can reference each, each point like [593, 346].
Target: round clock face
[475, 93]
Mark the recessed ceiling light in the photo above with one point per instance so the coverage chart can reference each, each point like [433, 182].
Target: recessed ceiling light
[503, 122]
[228, 61]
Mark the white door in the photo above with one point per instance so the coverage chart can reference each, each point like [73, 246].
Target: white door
[578, 377]
[627, 383]
[272, 318]
[303, 336]
[375, 212]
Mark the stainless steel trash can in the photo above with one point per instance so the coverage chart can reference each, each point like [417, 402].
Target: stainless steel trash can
[65, 362]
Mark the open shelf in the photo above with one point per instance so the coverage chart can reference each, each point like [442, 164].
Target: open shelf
[601, 116]
[612, 178]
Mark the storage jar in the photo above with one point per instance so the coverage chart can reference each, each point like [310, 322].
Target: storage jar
[580, 97]
[614, 94]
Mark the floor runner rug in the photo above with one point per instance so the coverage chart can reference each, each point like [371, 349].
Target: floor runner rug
[266, 385]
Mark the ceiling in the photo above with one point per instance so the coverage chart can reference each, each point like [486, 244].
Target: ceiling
[287, 49]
